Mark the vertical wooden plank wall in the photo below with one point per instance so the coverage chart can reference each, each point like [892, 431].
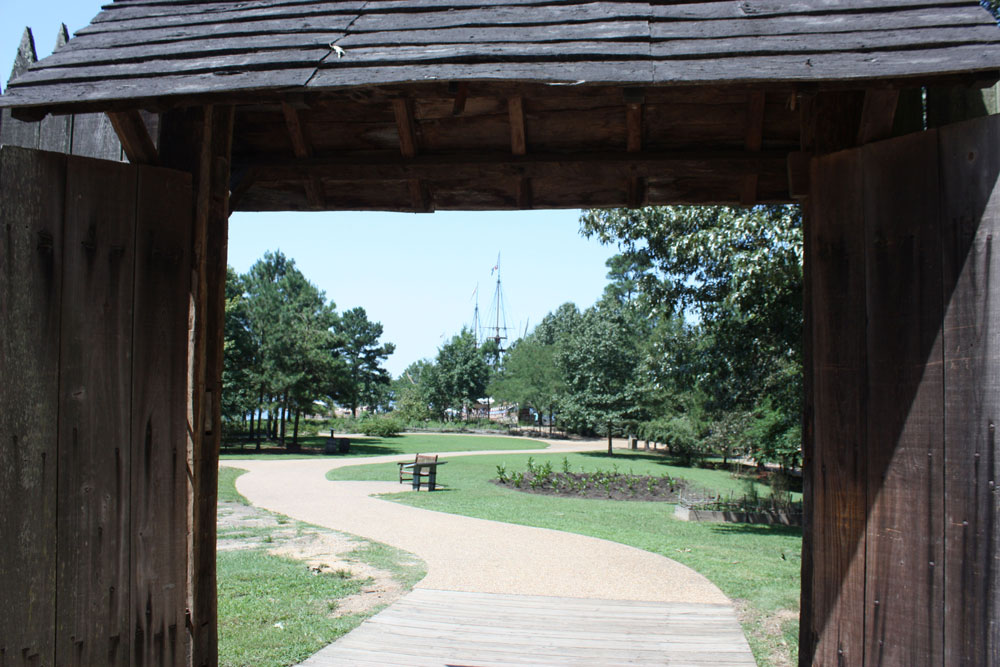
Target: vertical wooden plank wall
[970, 164]
[906, 387]
[836, 475]
[94, 314]
[30, 309]
[905, 420]
[159, 430]
[95, 415]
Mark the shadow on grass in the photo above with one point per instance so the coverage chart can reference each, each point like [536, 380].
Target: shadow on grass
[316, 446]
[758, 529]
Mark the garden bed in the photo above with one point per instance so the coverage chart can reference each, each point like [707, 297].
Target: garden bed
[776, 517]
[601, 484]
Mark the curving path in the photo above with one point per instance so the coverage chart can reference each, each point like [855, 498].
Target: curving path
[467, 556]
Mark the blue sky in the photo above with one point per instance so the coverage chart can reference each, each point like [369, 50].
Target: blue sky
[414, 273]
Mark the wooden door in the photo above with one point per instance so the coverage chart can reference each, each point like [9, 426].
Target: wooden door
[95, 273]
[900, 549]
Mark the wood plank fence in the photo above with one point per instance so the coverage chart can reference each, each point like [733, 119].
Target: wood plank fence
[900, 549]
[94, 305]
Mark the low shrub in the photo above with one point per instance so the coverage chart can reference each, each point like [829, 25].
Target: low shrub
[380, 427]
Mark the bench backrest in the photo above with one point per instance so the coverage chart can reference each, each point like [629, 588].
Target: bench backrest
[426, 458]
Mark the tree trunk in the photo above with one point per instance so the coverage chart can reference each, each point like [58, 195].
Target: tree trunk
[295, 431]
[610, 452]
[283, 417]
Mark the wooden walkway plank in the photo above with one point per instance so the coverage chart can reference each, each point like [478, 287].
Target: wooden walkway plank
[435, 627]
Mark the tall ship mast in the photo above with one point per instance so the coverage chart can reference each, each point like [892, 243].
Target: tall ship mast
[476, 326]
[496, 321]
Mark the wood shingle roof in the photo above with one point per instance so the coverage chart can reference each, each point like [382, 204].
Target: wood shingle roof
[142, 50]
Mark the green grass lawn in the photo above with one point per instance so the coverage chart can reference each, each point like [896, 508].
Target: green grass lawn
[273, 610]
[756, 566]
[408, 443]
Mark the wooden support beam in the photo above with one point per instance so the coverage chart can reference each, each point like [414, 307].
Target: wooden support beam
[633, 144]
[405, 125]
[461, 95]
[518, 138]
[420, 196]
[878, 114]
[503, 166]
[636, 192]
[633, 125]
[134, 137]
[798, 174]
[199, 140]
[525, 196]
[302, 149]
[753, 142]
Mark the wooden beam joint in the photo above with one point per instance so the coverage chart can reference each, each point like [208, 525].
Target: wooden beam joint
[518, 136]
[134, 137]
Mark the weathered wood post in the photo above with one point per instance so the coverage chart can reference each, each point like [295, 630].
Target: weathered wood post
[903, 394]
[199, 140]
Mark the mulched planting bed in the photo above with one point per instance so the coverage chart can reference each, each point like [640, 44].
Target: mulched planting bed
[600, 485]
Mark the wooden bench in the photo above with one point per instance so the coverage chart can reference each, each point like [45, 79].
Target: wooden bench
[422, 466]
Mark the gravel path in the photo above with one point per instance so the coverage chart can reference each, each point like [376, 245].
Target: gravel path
[473, 555]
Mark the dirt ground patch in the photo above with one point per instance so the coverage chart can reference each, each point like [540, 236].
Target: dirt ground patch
[319, 549]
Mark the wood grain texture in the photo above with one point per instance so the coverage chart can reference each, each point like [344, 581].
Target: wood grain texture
[446, 627]
[92, 624]
[153, 50]
[31, 270]
[970, 166]
[905, 556]
[158, 480]
[833, 616]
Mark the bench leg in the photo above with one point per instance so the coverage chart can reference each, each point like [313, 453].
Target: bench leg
[431, 479]
[416, 478]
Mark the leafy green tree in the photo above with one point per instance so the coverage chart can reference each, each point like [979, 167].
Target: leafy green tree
[461, 373]
[291, 325]
[599, 359]
[530, 376]
[239, 358]
[364, 356]
[411, 395]
[736, 274]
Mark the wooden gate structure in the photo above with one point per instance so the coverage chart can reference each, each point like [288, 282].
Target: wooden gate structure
[113, 284]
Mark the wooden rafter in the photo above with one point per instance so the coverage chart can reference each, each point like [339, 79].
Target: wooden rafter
[407, 129]
[525, 197]
[753, 142]
[518, 137]
[403, 109]
[134, 137]
[634, 100]
[493, 165]
[877, 114]
[461, 95]
[302, 149]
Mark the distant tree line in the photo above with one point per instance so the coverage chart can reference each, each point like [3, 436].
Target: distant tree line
[288, 353]
[696, 342]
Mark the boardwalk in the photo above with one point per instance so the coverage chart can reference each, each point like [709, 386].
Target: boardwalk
[501, 594]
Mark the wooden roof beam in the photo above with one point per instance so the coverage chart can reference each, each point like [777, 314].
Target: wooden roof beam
[134, 137]
[302, 150]
[504, 166]
[634, 100]
[461, 91]
[878, 113]
[518, 136]
[753, 142]
[408, 147]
